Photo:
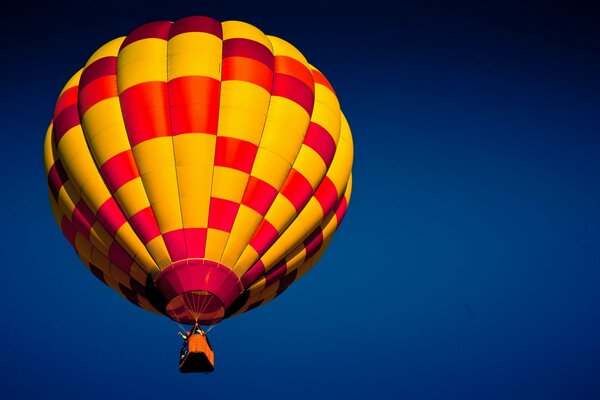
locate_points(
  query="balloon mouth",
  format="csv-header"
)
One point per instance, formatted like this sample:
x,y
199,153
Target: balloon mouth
x,y
198,290
196,306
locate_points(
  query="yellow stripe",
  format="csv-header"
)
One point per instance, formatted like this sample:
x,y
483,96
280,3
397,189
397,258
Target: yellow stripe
x,y
238,29
270,167
280,213
215,240
132,197
285,128
310,165
56,211
244,226
156,164
284,48
242,114
85,179
194,155
229,183
49,158
195,54
158,249
110,49
142,61
104,129
312,214
242,110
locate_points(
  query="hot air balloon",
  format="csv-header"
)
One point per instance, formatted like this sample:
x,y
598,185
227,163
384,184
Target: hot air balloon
x,y
198,168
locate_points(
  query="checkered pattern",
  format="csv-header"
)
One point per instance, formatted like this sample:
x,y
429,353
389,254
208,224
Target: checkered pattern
x,y
197,167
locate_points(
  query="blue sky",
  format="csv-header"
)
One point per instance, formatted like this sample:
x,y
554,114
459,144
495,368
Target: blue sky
x,y
467,265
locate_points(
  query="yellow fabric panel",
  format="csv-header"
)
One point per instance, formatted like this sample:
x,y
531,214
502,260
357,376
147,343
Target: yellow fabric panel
x,y
137,273
348,193
284,48
142,61
312,214
156,164
242,110
109,49
215,243
249,255
100,261
117,274
241,233
155,161
194,53
93,191
100,238
296,258
49,151
131,242
307,265
84,178
195,150
302,226
114,285
327,111
159,186
132,197
285,128
72,145
66,201
159,252
280,213
83,246
56,212
83,171
229,183
155,154
256,287
105,130
341,166
238,29
194,157
310,164
167,214
270,167
195,211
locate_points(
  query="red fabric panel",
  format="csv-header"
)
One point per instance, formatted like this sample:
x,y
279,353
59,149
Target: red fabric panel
x,y
318,139
259,195
295,90
239,47
235,153
297,189
326,195
145,111
194,104
111,216
145,225
222,214
265,236
196,24
119,169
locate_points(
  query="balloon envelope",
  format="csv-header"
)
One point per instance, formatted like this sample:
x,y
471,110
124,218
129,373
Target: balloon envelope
x,y
198,168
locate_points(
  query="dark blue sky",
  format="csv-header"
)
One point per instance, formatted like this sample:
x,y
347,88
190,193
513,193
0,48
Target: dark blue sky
x,y
467,266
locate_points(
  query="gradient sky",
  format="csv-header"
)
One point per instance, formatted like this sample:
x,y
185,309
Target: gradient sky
x,y
467,266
